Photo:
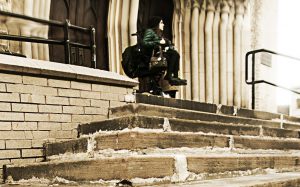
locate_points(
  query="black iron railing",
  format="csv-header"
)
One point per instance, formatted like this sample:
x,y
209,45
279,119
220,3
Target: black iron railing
x,y
253,81
66,42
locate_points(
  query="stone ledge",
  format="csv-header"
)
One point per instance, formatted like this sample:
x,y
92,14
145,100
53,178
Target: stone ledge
x,y
65,71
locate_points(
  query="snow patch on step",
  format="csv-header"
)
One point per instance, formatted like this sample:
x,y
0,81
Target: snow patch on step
x,y
166,125
42,181
130,98
91,145
181,169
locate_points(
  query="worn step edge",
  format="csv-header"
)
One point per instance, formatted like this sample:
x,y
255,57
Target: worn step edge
x,y
212,108
164,111
147,167
131,140
183,125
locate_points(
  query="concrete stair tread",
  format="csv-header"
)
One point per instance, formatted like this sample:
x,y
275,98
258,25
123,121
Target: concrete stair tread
x,y
171,112
212,108
144,138
183,125
261,180
148,166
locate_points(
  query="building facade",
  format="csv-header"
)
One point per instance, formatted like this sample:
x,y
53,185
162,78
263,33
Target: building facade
x,y
212,37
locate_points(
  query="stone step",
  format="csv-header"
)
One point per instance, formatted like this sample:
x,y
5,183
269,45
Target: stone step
x,y
284,179
169,112
183,125
211,108
144,139
178,167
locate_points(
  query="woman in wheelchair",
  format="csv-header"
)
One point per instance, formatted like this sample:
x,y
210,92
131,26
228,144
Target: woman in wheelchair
x,y
152,40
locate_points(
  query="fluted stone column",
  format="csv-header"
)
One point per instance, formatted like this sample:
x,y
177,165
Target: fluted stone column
x,y
237,54
194,54
223,52
208,51
245,48
46,29
111,35
230,54
25,28
201,41
117,24
179,8
124,24
134,8
35,29
186,50
216,71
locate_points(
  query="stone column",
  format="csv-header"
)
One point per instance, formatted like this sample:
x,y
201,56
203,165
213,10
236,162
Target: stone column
x,y
111,34
180,6
25,28
223,52
134,8
230,54
245,48
35,29
208,51
117,24
124,24
46,29
194,54
201,41
237,53
216,22
187,47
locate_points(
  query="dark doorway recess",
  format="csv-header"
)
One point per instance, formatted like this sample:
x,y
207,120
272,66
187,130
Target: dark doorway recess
x,y
162,8
83,13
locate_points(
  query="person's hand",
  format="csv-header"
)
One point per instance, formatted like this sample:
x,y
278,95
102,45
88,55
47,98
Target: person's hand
x,y
162,41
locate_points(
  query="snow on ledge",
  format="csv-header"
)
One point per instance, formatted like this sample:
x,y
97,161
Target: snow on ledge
x,y
66,71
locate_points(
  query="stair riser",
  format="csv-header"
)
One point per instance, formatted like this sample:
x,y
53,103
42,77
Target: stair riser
x,y
176,125
106,169
146,167
205,107
270,128
163,140
71,146
211,108
138,140
148,110
120,124
252,143
223,164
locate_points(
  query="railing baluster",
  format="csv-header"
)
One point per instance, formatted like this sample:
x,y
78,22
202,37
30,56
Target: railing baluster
x,y
67,42
93,47
253,83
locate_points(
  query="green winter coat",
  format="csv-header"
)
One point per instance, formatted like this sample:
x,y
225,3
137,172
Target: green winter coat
x,y
150,41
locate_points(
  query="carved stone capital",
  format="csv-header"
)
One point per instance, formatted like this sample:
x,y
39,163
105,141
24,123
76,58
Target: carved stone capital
x,y
210,5
195,4
224,6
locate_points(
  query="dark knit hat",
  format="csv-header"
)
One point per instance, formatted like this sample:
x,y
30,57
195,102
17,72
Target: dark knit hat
x,y
154,21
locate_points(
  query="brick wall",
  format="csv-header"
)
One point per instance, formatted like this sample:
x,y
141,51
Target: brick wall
x,y
35,109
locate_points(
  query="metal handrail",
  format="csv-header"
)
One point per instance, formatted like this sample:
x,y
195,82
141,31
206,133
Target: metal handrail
x,y
66,42
253,81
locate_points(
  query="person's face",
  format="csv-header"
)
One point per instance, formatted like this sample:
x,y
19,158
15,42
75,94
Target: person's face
x,y
161,25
